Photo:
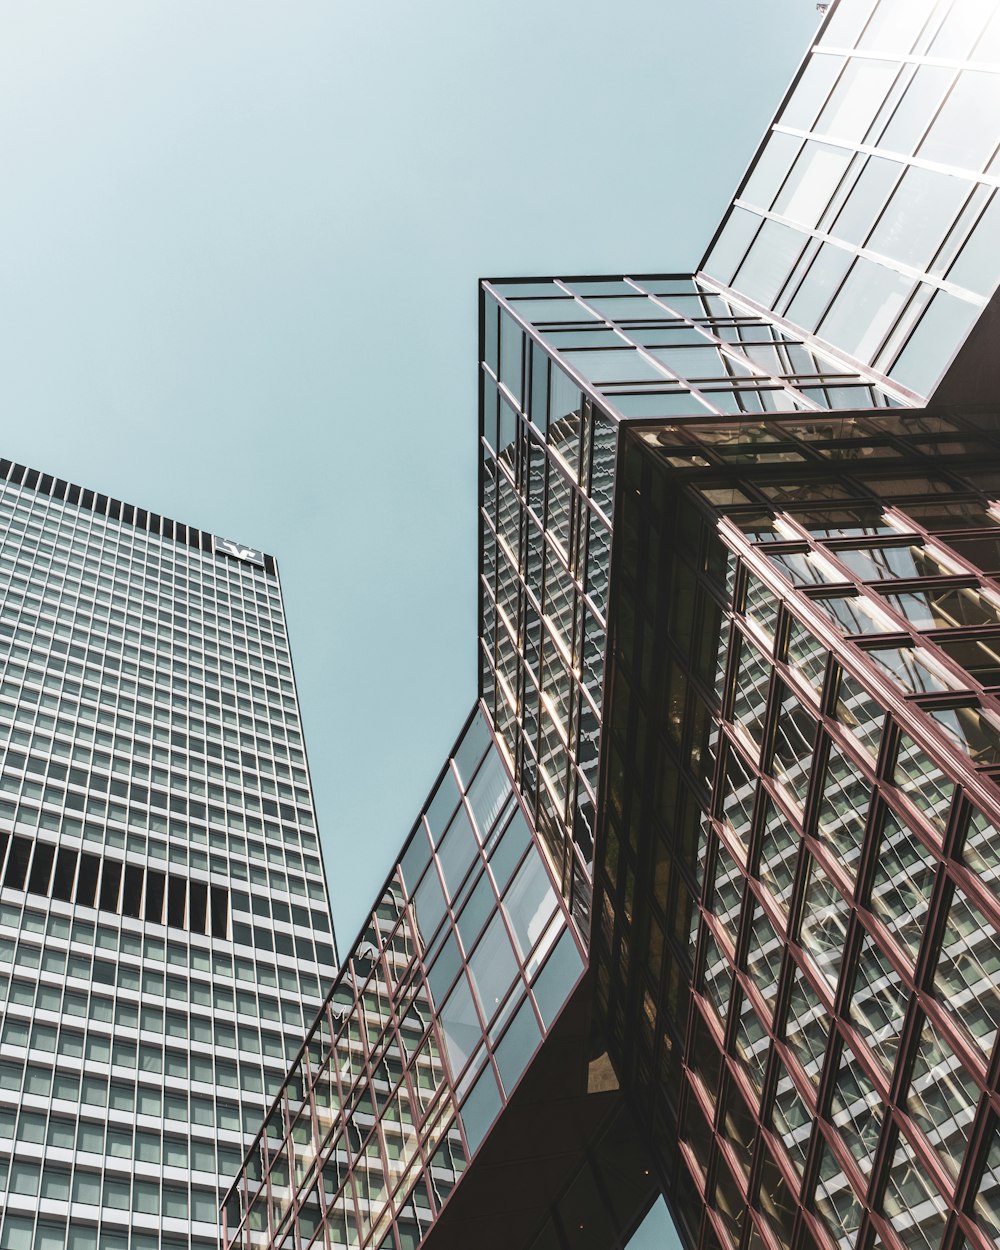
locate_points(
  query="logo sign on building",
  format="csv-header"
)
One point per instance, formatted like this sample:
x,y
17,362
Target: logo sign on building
x,y
250,555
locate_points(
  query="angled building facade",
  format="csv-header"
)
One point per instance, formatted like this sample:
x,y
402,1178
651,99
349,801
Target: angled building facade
x,y
164,924
739,634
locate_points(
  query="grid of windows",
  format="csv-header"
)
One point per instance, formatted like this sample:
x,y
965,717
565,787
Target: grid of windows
x,y
812,1008
563,362
870,215
454,981
152,775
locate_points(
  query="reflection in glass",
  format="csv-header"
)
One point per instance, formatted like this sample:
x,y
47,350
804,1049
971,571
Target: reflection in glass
x,y
836,1200
923,782
844,808
779,853
878,1004
859,713
856,1110
793,747
792,1119
824,924
967,981
904,877
808,1026
944,608
911,1203
942,1098
987,1206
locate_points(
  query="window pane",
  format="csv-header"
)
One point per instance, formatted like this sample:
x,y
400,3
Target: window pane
x,y
808,1026
844,808
856,1110
879,1003
967,980
779,852
752,681
824,924
923,782
911,1202
793,747
942,1099
836,1200
988,1197
764,957
957,136
904,876
792,1119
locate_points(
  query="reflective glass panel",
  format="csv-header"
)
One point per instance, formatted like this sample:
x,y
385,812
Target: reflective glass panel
x,y
878,1004
856,1110
904,877
942,1098
967,980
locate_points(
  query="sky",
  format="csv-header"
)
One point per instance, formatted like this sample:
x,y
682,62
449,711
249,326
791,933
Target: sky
x,y
239,247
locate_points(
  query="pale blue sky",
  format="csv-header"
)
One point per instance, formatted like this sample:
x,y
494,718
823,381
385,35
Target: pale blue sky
x,y
239,246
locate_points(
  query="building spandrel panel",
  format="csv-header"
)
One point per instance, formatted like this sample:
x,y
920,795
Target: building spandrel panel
x,y
152,780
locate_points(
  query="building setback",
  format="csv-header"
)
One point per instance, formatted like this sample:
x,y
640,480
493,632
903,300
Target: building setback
x,y
739,627
153,781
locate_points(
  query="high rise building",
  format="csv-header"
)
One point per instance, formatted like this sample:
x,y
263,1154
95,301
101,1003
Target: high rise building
x,y
164,923
739,619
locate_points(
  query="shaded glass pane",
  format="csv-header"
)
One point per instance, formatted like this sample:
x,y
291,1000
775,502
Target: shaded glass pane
x,y
912,1204
878,1004
904,877
942,1098
856,1110
808,1026
824,924
967,980
836,1200
844,808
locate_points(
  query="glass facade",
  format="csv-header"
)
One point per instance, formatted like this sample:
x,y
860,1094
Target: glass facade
x,y
739,714
460,973
152,782
869,216
564,363
797,937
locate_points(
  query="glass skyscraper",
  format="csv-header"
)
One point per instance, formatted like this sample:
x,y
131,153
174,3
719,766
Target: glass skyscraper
x,y
704,901
739,621
164,926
